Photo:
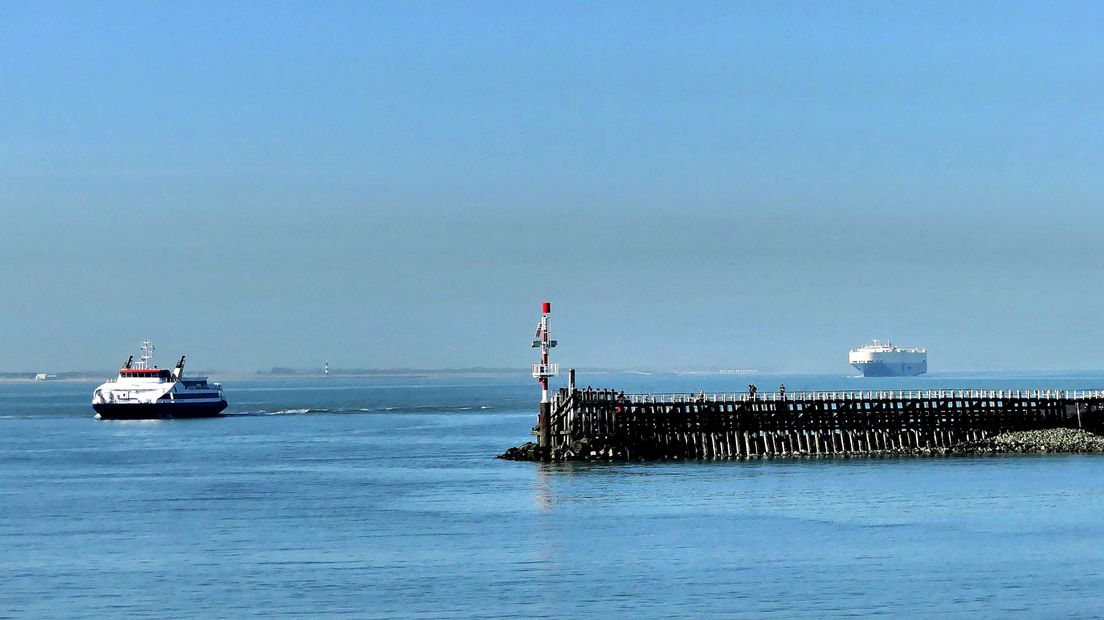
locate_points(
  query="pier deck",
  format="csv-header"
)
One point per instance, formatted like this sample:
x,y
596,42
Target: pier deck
x,y
592,423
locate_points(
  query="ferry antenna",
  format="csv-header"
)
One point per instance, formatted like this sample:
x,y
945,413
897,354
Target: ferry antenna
x,y
147,354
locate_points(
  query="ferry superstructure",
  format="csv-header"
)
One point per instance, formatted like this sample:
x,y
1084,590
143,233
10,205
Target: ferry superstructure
x,y
145,392
888,360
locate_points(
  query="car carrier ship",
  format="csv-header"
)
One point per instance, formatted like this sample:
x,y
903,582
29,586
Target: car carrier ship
x,y
145,392
888,360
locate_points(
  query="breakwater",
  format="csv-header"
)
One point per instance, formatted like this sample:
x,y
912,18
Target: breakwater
x,y
608,424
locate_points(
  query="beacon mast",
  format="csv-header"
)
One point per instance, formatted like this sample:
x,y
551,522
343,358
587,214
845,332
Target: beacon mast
x,y
542,372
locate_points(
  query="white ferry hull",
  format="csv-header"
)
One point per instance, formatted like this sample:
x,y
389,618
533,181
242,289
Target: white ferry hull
x,y
158,411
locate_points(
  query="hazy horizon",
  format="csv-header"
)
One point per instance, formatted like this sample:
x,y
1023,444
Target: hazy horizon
x,y
397,184
523,370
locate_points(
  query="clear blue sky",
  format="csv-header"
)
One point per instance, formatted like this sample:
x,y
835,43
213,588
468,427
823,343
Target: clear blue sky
x,y
692,184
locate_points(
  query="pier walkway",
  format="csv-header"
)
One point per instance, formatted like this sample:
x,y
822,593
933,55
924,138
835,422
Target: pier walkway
x,y
592,423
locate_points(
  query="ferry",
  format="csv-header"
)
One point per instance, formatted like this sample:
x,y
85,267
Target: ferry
x,y
888,360
145,392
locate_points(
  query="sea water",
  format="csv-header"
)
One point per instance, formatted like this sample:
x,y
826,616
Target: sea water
x,y
381,497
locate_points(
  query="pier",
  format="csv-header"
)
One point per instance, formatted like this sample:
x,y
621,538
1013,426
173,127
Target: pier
x,y
586,424
608,424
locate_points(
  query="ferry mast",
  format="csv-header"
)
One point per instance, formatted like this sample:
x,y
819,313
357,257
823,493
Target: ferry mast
x,y
146,356
542,372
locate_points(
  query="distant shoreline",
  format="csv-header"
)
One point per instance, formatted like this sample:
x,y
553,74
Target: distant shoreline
x,y
19,377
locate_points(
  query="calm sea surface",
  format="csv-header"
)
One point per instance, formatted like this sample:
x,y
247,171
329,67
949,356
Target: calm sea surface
x,y
381,498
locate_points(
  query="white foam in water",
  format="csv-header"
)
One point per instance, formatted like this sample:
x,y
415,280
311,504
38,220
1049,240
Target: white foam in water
x,y
286,412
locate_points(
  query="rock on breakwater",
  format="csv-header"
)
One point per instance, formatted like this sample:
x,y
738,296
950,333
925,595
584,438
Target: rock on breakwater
x,y
527,451
1047,441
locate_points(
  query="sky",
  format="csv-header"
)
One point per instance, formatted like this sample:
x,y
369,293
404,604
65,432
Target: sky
x,y
692,184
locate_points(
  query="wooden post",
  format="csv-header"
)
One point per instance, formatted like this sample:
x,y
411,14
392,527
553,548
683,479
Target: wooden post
x,y
545,437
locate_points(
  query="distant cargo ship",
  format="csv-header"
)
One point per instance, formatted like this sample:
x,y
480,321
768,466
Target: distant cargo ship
x,y
887,360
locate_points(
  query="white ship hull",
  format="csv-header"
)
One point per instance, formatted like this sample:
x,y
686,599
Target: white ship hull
x,y
889,369
159,411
